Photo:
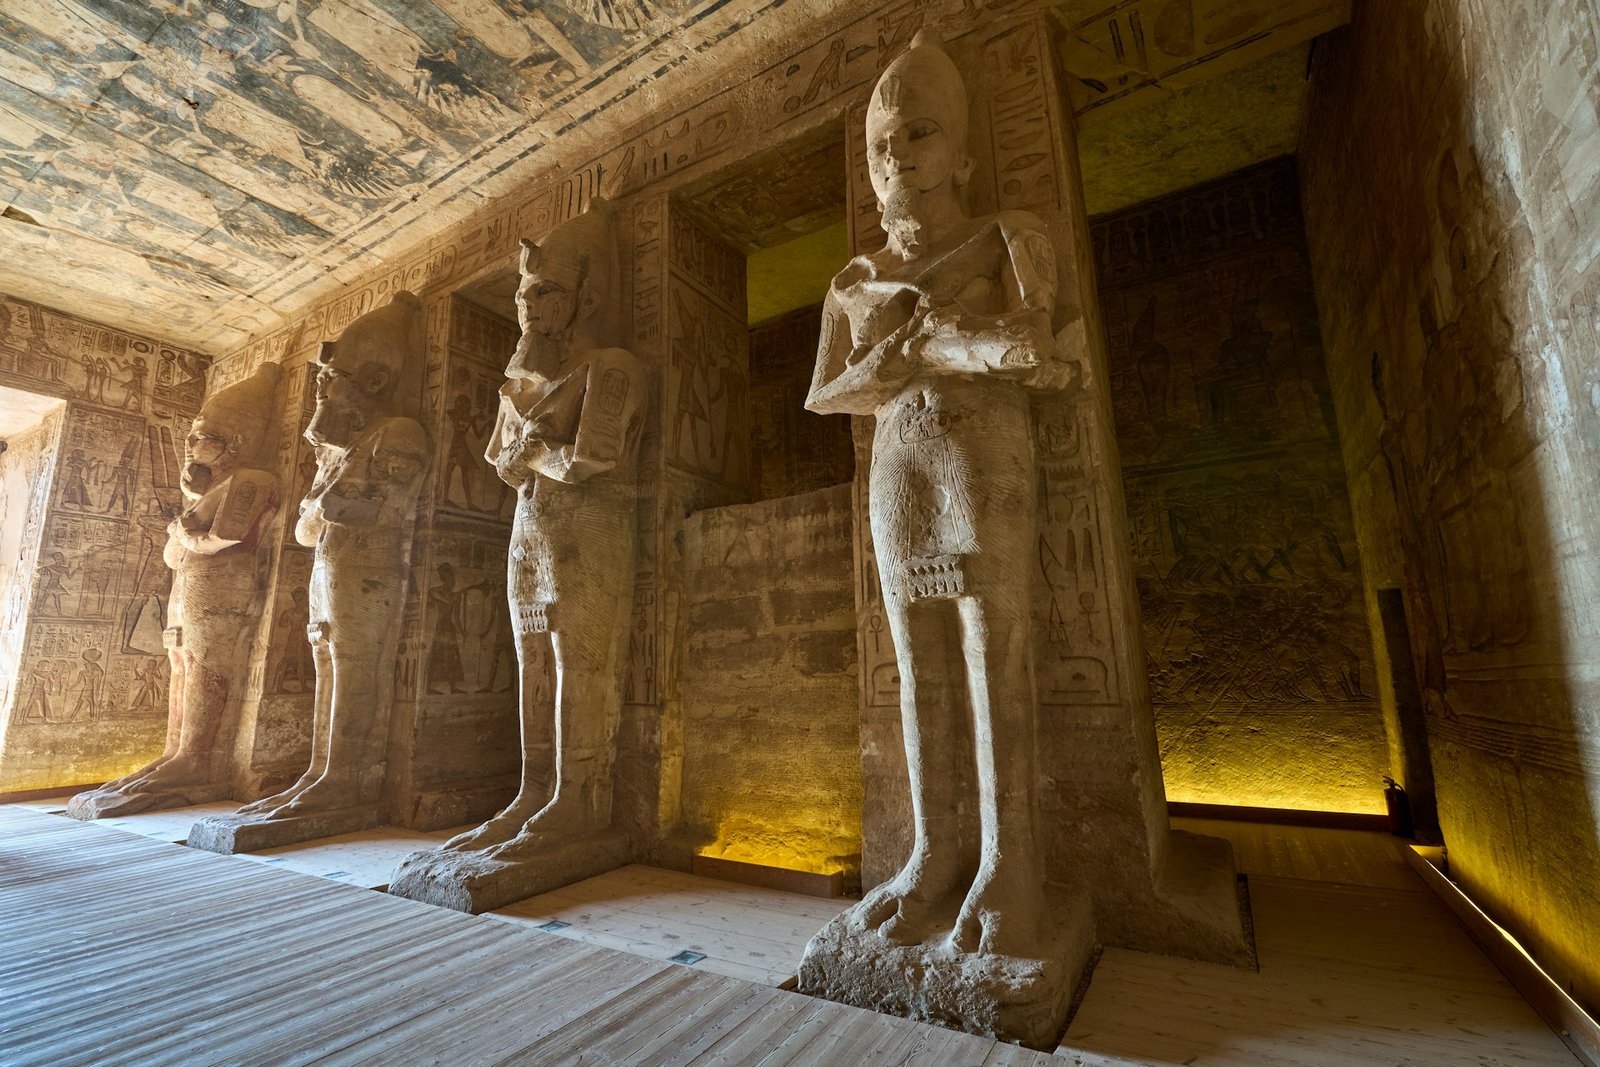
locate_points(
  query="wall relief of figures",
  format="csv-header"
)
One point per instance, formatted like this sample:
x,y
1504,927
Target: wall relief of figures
x,y
97,603
1244,545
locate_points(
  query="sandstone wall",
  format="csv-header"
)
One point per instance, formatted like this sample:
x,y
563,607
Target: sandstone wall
x,y
1261,669
91,678
771,749
1451,172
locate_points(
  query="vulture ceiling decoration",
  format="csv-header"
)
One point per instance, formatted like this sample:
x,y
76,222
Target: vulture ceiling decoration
x,y
202,169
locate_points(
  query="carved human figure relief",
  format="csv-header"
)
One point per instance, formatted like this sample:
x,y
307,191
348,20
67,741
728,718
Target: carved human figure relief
x,y
219,558
943,336
358,516
566,439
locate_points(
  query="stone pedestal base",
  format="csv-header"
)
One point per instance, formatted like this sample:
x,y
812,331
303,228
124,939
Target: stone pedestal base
x,y
474,882
1013,998
252,833
106,803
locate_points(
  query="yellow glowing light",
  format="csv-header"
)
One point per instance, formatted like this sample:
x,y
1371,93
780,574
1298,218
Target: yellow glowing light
x,y
810,841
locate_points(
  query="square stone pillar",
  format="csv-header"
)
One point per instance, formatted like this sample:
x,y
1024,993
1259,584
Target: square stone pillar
x,y
688,300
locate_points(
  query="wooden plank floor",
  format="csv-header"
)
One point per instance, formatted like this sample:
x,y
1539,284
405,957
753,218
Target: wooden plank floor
x,y
1361,966
116,948
365,858
121,949
739,931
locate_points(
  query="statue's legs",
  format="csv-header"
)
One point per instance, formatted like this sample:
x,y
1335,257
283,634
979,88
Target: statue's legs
x,y
933,718
322,663
588,704
1001,910
537,711
357,721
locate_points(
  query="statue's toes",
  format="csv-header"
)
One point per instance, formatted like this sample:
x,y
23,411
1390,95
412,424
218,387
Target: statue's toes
x,y
875,911
968,934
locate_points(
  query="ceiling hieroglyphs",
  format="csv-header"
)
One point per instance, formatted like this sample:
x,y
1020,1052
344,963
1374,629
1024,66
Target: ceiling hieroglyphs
x,y
219,168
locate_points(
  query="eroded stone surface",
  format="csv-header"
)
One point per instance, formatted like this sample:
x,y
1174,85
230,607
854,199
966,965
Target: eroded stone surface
x,y
567,439
219,554
1020,997
371,458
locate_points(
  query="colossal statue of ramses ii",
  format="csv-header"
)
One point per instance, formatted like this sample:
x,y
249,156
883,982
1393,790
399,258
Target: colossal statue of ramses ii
x,y
358,517
943,337
567,439
220,556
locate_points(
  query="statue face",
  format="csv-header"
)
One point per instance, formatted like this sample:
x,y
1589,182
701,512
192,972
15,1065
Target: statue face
x,y
344,395
209,453
908,152
544,305
546,309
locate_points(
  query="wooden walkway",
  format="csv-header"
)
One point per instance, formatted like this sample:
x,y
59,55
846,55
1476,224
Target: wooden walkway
x,y
120,949
124,949
1361,966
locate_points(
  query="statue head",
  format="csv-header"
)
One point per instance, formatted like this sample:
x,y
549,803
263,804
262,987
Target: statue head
x,y
236,428
569,282
372,371
917,133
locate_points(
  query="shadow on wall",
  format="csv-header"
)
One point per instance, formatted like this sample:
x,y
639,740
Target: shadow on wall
x,y
1449,151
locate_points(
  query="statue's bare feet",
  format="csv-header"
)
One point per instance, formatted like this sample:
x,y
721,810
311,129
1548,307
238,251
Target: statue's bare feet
x,y
168,773
125,783
554,824
267,805
498,830
902,908
327,793
1001,912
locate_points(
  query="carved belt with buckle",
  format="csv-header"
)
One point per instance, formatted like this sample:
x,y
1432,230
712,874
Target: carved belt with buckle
x,y
533,618
933,577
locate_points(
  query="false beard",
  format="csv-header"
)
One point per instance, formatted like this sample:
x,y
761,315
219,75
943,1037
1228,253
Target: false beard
x,y
335,426
900,219
195,480
537,355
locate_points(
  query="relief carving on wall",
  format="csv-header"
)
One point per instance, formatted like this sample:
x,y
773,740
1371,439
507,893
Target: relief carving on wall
x,y
1243,542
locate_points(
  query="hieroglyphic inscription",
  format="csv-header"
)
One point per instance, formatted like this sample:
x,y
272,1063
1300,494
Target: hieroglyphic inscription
x,y
95,609
1073,627
649,256
706,388
708,262
1020,137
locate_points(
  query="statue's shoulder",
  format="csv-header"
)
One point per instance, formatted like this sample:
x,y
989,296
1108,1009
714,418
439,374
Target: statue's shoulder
x,y
395,431
253,478
1018,223
606,359
862,268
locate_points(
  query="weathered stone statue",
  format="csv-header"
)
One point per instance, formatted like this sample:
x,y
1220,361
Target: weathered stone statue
x,y
219,556
371,457
567,440
943,336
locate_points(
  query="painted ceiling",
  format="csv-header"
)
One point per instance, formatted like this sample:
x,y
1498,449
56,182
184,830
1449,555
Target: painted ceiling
x,y
202,169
